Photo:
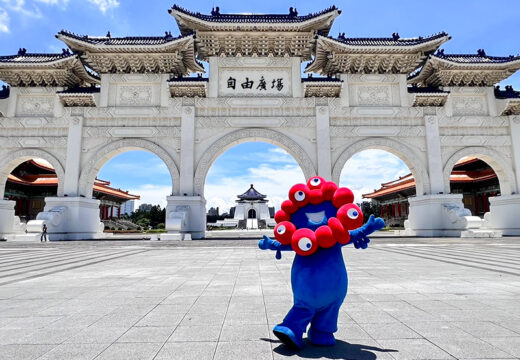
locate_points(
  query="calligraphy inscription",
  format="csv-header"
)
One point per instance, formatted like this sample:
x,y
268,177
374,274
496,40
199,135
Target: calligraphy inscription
x,y
254,82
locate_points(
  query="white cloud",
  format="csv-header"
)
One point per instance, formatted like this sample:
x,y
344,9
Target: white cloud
x,y
151,194
367,170
105,5
21,7
4,21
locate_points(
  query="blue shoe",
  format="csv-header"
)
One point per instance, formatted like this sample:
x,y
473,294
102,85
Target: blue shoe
x,y
288,337
320,338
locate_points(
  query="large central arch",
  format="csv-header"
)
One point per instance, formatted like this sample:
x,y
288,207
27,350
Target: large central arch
x,y
409,156
506,177
240,136
12,160
100,157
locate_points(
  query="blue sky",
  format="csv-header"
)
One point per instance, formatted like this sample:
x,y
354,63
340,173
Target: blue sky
x,y
473,24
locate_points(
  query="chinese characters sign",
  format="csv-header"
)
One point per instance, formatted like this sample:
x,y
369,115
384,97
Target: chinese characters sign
x,y
255,83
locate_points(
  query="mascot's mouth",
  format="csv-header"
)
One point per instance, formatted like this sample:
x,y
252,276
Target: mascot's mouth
x,y
316,218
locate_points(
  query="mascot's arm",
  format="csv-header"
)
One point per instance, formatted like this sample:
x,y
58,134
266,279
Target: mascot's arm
x,y
359,237
268,244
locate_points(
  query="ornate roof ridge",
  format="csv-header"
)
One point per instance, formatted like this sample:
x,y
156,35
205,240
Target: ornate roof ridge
x,y
47,57
321,78
508,93
123,40
396,39
189,79
80,90
216,16
474,58
426,90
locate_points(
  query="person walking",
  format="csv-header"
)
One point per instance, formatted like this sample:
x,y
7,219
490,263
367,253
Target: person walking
x,y
44,233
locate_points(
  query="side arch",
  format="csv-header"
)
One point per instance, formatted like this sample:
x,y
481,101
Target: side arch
x,y
408,155
90,170
498,163
15,158
240,136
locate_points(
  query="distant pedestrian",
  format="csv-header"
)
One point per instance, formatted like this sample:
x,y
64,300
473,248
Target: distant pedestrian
x,y
44,233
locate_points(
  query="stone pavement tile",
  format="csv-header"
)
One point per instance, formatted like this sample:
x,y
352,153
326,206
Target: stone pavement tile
x,y
468,348
238,318
23,352
240,350
49,336
243,332
435,329
161,319
348,332
176,299
97,335
207,333
130,351
390,331
187,351
147,334
31,322
203,319
207,307
74,351
414,349
14,336
363,317
118,320
282,352
507,344
216,299
511,325
484,329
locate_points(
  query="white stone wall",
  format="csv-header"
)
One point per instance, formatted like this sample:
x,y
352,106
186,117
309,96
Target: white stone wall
x,y
188,134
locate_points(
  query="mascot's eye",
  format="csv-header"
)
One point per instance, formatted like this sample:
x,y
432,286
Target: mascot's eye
x,y
281,230
305,244
315,181
299,196
352,213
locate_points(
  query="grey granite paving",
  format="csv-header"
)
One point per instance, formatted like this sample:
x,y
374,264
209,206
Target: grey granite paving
x,y
219,299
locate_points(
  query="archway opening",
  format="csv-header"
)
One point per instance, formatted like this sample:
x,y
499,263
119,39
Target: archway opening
x,y
132,187
476,180
246,185
28,184
381,183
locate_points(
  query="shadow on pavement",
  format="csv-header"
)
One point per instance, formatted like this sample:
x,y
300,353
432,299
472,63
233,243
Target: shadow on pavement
x,y
342,350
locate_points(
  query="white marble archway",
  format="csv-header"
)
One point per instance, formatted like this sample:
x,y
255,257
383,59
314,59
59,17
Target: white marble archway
x,y
408,155
240,136
100,157
15,158
506,177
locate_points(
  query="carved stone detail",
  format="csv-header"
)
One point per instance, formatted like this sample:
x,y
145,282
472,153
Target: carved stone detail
x,y
135,95
35,105
233,122
469,105
98,158
374,95
219,146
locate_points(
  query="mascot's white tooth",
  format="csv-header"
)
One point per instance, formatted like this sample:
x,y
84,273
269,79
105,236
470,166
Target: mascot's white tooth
x,y
315,217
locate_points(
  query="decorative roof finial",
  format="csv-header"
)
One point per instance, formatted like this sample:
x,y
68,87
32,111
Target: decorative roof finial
x,y
293,12
108,35
215,11
22,51
440,52
395,36
481,52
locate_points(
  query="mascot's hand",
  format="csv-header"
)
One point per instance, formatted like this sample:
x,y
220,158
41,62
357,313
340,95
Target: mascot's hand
x,y
359,237
268,244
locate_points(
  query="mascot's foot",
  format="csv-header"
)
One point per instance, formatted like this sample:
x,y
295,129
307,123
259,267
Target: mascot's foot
x,y
288,337
320,338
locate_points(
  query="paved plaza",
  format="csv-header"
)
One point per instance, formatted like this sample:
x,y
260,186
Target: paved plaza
x,y
218,299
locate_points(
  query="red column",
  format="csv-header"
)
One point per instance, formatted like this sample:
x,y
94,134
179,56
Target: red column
x,y
112,212
476,204
381,210
399,209
119,212
485,203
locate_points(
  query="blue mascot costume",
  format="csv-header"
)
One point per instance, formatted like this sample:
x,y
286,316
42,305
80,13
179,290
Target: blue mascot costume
x,y
317,220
